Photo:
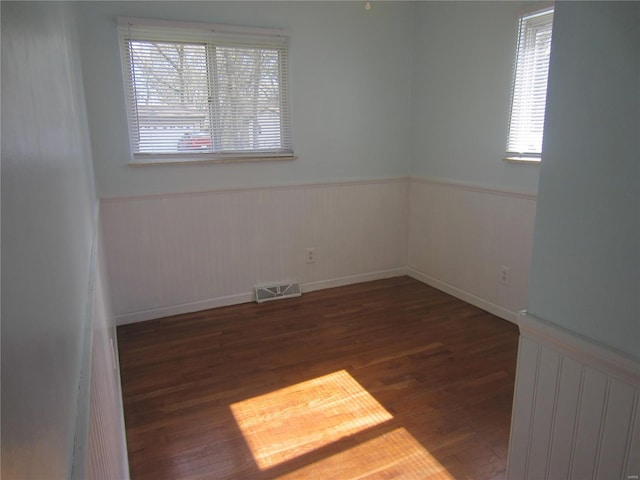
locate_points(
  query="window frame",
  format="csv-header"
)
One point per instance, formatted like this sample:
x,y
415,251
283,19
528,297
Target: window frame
x,y
212,36
520,62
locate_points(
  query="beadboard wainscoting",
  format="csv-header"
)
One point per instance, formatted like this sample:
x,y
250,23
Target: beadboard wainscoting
x,y
177,253
575,411
460,235
107,448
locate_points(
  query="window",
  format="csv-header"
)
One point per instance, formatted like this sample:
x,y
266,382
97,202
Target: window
x,y
198,92
526,123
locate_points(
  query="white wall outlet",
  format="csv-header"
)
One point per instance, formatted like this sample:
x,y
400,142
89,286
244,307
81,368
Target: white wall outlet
x,y
310,255
504,275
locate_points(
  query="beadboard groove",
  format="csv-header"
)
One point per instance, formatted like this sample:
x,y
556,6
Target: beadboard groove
x,y
580,419
461,235
180,252
187,252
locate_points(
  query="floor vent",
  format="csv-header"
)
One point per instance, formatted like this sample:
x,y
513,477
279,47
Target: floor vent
x,y
266,293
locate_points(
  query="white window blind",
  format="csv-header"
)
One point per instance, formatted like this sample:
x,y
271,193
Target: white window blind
x,y
198,92
526,123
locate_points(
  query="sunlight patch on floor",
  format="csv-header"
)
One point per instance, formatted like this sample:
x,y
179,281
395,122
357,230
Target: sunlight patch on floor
x,y
395,454
299,419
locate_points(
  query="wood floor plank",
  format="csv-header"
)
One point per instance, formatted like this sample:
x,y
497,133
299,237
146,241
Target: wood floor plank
x,y
385,379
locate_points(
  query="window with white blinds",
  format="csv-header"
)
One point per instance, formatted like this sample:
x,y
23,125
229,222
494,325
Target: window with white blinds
x,y
526,123
198,92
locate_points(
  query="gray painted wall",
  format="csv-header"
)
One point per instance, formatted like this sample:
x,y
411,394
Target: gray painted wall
x,y
463,65
48,231
377,93
351,92
585,273
371,90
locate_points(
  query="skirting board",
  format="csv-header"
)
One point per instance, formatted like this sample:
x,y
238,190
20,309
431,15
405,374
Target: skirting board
x,y
576,408
492,308
351,279
245,297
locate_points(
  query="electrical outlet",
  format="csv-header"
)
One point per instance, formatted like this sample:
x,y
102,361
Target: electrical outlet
x,y
310,255
504,275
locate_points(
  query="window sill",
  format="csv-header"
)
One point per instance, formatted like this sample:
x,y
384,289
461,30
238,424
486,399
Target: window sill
x,y
154,160
522,160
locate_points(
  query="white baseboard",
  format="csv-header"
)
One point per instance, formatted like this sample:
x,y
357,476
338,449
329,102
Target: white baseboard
x,y
191,307
490,307
351,279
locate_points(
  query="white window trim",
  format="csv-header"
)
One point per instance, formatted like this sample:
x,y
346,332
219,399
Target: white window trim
x,y
522,157
197,28
207,27
142,160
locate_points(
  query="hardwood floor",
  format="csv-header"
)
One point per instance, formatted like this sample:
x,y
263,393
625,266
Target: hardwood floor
x,y
386,379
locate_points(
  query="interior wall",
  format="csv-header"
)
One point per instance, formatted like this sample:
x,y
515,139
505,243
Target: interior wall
x,y
182,238
461,236
350,93
464,56
172,254
429,101
576,412
48,245
47,236
586,252
471,213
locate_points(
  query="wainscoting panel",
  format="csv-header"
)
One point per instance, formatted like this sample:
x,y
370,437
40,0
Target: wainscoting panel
x,y
612,448
460,235
575,412
522,415
172,254
541,425
564,417
107,449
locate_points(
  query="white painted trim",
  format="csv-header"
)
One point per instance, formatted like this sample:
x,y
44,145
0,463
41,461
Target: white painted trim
x,y
575,408
124,452
169,160
106,411
80,452
522,160
246,297
245,188
516,193
580,348
539,7
351,279
190,307
206,27
473,187
490,307
632,462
